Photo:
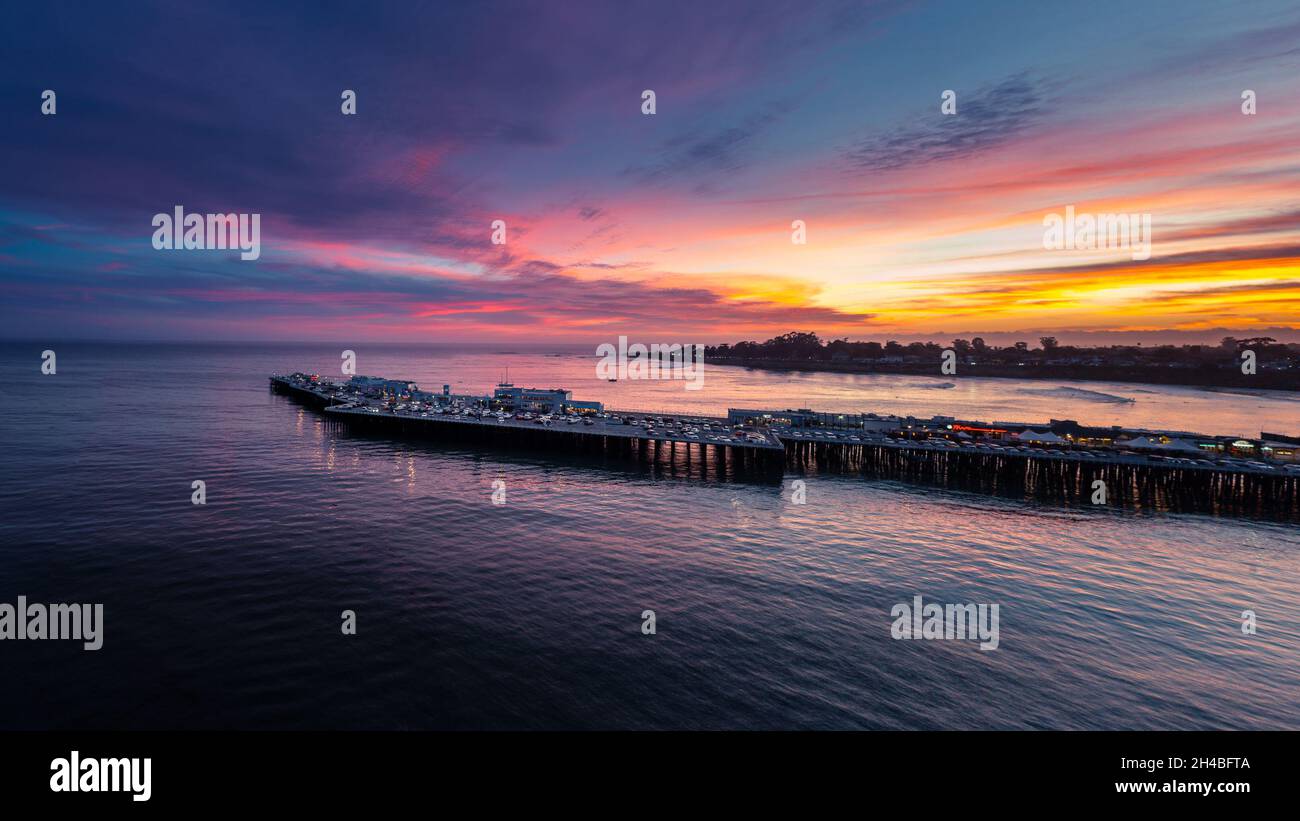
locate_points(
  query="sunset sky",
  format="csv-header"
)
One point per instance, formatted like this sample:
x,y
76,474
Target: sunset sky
x,y
377,226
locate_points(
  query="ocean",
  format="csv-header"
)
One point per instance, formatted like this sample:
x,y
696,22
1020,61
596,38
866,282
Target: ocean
x,y
528,614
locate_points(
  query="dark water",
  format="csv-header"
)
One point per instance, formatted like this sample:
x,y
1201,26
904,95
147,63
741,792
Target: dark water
x,y
527,615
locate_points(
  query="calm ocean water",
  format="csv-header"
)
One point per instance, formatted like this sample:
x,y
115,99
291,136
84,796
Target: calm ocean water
x,y
527,615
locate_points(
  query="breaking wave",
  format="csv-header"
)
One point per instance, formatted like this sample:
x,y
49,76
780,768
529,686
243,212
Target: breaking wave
x,y
1080,394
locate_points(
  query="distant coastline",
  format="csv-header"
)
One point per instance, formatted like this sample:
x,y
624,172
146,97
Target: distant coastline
x,y
1279,381
1259,363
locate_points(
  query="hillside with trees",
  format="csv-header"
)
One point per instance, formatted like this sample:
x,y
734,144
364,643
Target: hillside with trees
x,y
1276,364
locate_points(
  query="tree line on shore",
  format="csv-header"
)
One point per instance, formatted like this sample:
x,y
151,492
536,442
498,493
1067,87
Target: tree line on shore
x,y
807,347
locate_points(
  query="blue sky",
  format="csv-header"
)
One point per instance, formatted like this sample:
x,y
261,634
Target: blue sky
x,y
377,225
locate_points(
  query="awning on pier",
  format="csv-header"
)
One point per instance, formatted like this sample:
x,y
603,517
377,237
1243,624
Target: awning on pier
x,y
1042,437
1162,443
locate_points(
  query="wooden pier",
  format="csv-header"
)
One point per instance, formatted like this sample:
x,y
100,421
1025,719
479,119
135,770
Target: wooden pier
x,y
699,454
1064,476
1132,482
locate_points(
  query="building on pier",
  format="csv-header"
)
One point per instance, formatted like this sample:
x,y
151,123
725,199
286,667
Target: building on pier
x,y
879,423
377,384
553,400
1283,449
801,418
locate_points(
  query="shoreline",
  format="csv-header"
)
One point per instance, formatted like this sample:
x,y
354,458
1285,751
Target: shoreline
x,y
1191,378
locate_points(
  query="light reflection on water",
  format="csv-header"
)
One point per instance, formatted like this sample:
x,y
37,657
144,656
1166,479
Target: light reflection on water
x,y
527,614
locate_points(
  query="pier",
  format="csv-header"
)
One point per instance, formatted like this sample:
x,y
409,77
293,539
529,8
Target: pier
x,y
708,450
702,445
1135,482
